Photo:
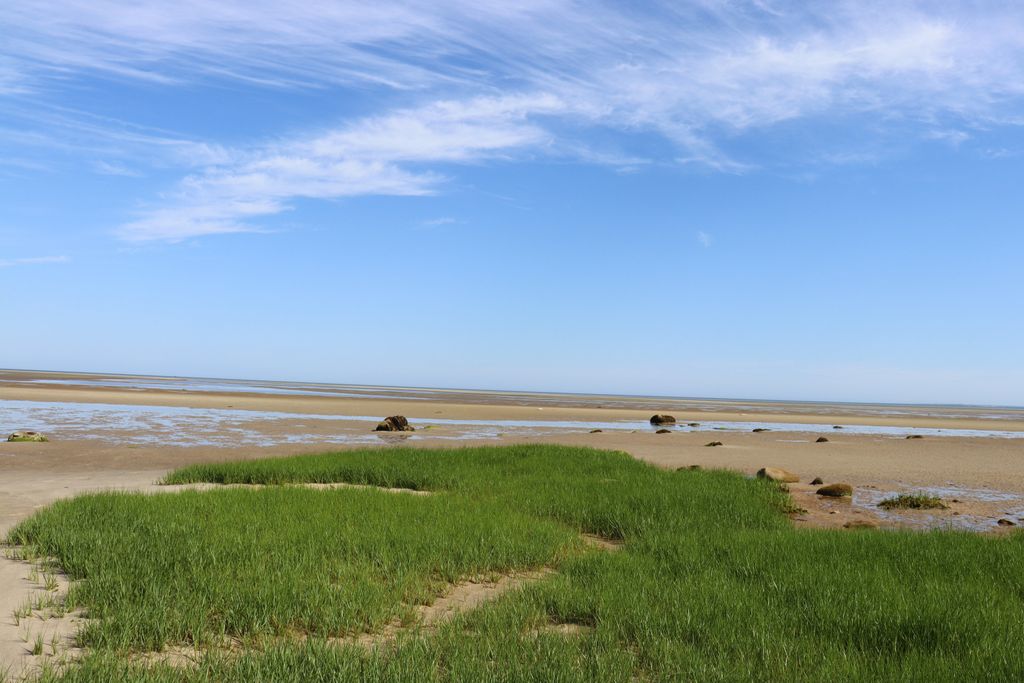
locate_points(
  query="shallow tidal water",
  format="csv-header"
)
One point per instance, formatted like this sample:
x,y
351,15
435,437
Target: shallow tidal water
x,y
1004,505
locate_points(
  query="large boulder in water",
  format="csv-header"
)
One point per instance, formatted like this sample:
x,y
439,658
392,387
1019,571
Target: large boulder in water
x,y
777,474
662,420
395,423
25,435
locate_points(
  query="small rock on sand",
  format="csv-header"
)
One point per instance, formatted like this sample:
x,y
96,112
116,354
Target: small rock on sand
x,y
596,431
663,431
777,474
662,420
26,435
758,430
693,424
711,444
835,491
395,423
914,436
817,481
821,439
1006,522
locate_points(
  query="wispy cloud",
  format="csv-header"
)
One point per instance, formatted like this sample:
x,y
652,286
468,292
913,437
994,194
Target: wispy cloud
x,y
437,222
370,156
951,136
115,169
486,81
38,127
704,239
32,261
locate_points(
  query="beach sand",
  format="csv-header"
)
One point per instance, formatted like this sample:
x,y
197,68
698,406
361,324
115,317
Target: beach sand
x,y
984,476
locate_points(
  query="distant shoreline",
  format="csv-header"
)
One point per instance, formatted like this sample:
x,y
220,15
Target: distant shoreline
x,y
320,397
73,377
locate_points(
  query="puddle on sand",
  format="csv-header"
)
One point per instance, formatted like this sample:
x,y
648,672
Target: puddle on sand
x,y
990,505
182,426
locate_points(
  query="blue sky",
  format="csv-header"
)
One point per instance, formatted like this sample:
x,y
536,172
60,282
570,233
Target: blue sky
x,y
740,199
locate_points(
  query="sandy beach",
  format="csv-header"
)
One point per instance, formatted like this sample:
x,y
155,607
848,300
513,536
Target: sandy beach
x,y
127,437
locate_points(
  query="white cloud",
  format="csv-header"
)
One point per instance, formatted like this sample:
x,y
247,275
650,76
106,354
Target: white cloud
x,y
11,79
951,136
704,238
35,260
368,156
495,80
115,169
437,222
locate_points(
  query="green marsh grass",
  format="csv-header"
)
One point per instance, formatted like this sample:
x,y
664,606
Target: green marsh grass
x,y
913,501
713,582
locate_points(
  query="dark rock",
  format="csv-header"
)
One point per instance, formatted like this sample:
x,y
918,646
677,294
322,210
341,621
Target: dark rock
x,y
663,431
693,424
685,468
817,481
395,423
914,436
777,474
714,443
596,431
821,439
835,491
25,435
662,420
1006,522
758,430
837,426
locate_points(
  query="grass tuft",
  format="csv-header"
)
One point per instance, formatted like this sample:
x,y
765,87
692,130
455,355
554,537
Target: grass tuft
x,y
916,501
